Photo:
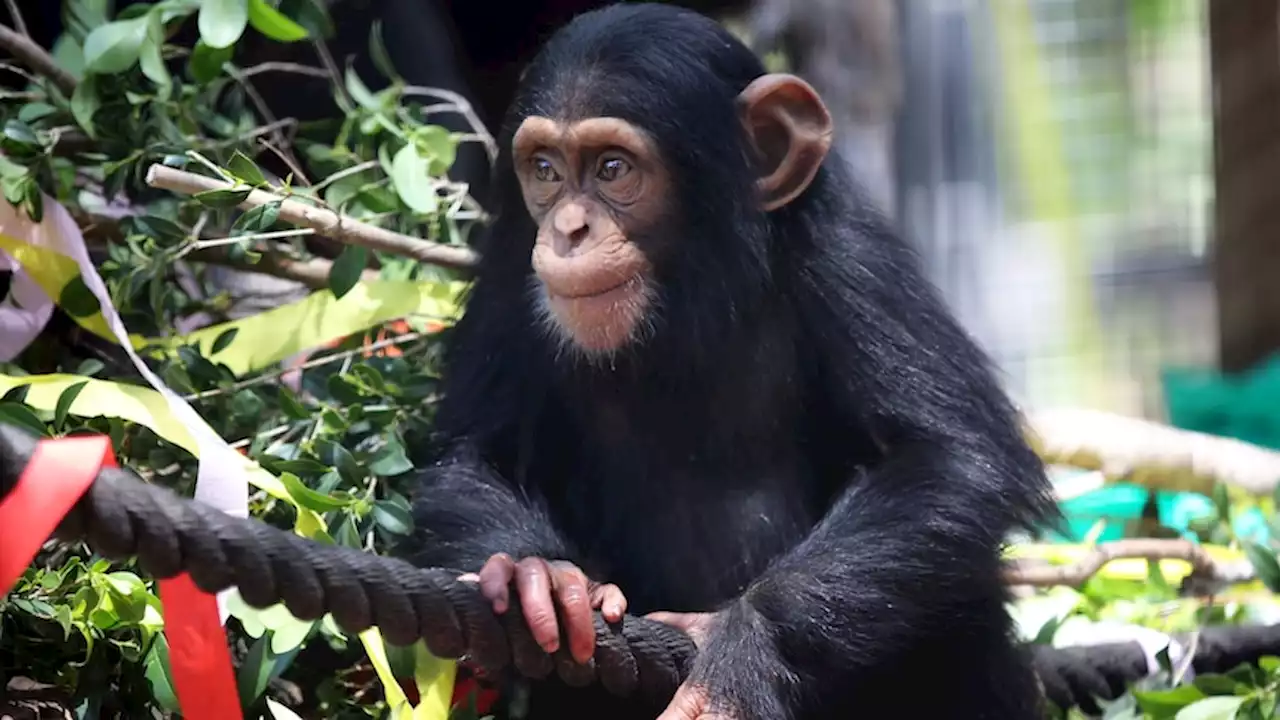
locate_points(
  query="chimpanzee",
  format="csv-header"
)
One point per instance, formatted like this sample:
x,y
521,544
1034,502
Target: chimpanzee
x,y
698,377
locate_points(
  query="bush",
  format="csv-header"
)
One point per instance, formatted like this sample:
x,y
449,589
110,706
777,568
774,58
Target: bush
x,y
159,151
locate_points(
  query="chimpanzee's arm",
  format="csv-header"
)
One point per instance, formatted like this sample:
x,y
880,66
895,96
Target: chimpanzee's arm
x,y
464,513
913,543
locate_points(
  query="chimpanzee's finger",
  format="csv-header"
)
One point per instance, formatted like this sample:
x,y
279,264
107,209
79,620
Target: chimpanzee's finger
x,y
533,582
495,579
610,601
572,594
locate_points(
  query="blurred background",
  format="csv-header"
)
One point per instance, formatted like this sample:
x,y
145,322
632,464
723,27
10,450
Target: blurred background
x,y
1054,160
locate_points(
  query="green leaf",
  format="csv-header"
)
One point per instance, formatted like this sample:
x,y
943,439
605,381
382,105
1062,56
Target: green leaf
x,y
360,92
333,421
392,518
343,390
20,135
206,62
113,48
35,111
340,458
223,197
222,22
63,406
77,300
247,405
303,466
273,23
438,145
1215,684
391,460
23,417
1213,708
224,340
161,229
378,51
257,219
158,674
150,57
1269,663
90,367
346,269
255,672
310,14
290,405
1164,703
1264,563
411,174
33,201
1221,502
244,168
85,103
308,498
370,377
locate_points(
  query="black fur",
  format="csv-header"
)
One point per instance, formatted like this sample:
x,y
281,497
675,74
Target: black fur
x,y
807,441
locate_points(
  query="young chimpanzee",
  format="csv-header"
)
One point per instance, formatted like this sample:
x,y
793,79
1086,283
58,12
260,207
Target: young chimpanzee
x,y
698,377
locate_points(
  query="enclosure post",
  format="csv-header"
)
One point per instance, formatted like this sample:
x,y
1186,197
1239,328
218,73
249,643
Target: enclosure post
x,y
1244,47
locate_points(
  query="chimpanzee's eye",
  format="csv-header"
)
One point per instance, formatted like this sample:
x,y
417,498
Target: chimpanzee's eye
x,y
612,169
544,171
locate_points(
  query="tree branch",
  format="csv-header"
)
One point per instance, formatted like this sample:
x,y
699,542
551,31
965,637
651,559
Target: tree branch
x,y
326,222
1151,453
1203,566
33,56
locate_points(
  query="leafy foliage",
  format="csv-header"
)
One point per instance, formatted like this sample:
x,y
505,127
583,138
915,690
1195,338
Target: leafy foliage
x,y
335,429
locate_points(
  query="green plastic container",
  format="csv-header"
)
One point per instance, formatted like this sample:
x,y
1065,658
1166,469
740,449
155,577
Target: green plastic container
x,y
1118,504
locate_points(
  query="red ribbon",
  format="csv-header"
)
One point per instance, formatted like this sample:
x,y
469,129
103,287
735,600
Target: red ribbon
x,y
59,473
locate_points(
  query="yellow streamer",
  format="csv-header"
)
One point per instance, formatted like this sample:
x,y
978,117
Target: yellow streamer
x,y
264,339
144,406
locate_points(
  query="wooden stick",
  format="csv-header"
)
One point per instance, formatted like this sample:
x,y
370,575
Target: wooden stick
x,y
331,224
1122,446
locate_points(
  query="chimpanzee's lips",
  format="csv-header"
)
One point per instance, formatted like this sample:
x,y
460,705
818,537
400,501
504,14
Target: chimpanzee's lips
x,y
582,294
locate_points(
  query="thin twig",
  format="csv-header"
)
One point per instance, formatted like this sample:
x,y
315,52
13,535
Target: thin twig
x,y
280,144
327,359
1202,564
464,108
326,222
285,67
35,57
15,14
313,274
251,237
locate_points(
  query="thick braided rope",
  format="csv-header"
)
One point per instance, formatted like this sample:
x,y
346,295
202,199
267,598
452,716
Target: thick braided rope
x,y
121,516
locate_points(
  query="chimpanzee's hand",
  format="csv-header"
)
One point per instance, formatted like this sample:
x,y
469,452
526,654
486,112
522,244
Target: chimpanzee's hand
x,y
695,625
550,591
693,700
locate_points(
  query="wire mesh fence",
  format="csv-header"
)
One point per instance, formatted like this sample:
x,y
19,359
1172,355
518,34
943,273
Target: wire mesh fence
x,y
1055,167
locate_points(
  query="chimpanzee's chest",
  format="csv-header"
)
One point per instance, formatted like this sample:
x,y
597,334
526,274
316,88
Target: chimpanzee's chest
x,y
687,532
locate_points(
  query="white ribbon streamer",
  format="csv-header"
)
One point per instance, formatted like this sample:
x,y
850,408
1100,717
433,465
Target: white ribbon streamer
x,y
24,312
220,477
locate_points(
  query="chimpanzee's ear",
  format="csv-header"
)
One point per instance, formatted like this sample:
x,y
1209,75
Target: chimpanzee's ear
x,y
790,129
